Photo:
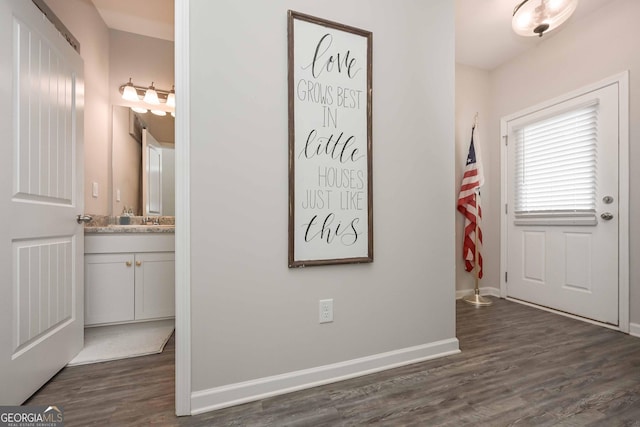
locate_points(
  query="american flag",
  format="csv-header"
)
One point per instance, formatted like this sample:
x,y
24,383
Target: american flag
x,y
469,205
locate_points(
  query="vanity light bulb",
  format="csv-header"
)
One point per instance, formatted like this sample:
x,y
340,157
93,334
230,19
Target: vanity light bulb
x,y
129,92
151,96
159,112
171,99
139,110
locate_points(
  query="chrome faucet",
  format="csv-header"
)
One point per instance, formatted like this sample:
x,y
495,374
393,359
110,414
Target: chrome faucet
x,y
153,220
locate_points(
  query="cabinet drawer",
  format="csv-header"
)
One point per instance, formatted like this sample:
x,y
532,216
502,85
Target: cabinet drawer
x,y
129,242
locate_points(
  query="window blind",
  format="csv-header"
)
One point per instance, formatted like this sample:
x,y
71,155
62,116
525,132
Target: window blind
x,y
556,167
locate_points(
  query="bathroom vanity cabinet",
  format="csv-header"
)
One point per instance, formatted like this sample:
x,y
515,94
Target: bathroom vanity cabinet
x,y
129,277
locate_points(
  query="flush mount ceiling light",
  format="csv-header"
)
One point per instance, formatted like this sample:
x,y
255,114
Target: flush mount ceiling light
x,y
143,99
535,17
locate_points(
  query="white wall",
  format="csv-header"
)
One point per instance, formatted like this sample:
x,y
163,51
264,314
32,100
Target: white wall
x,y
472,96
254,318
85,23
602,45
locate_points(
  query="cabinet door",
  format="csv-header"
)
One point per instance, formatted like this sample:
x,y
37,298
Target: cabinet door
x,y
155,284
109,288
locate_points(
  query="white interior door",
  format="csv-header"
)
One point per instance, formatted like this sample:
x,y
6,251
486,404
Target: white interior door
x,y
563,254
152,175
41,244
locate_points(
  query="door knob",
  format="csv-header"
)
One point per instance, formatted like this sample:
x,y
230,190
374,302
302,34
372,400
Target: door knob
x,y
606,216
128,263
138,263
83,218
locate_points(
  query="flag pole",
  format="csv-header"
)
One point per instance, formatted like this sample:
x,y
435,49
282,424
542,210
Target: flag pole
x,y
475,298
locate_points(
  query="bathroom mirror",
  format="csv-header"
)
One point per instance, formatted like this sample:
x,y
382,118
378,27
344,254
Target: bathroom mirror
x,y
132,172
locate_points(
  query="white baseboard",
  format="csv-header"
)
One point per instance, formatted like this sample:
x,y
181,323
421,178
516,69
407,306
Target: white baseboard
x,y
634,329
248,391
486,290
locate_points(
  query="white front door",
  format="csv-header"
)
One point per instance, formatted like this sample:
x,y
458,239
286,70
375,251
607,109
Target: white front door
x,y
562,205
41,244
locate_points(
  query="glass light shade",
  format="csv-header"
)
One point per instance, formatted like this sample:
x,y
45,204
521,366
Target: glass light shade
x,y
171,99
159,112
151,96
129,92
535,17
139,110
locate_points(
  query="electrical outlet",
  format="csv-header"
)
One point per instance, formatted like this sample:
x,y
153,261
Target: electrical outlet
x,y
326,310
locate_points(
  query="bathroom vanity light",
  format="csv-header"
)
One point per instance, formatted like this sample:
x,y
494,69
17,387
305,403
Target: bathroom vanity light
x,y
535,17
171,98
145,99
139,110
151,96
129,92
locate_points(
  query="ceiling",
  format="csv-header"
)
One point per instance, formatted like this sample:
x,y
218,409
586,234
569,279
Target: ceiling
x,y
484,38
152,18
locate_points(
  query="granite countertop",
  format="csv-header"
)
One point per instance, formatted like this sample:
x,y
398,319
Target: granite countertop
x,y
130,229
104,224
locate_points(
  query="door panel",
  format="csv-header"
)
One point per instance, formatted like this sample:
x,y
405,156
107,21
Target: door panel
x,y
579,250
44,299
152,175
569,265
44,146
534,255
41,244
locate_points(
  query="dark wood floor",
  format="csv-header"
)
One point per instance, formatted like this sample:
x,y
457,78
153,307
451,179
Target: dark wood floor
x,y
518,366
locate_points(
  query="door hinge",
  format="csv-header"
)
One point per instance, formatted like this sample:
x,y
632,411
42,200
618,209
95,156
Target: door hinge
x,y
506,208
506,139
505,277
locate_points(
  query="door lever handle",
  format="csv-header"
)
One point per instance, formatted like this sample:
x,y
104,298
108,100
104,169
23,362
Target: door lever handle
x,y
606,216
83,218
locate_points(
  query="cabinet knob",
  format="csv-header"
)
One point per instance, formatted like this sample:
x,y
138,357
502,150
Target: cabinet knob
x,y
138,263
128,263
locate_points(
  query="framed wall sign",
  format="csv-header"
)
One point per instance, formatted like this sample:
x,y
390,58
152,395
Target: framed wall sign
x,y
330,143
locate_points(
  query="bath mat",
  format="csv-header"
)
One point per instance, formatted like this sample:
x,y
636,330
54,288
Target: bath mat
x,y
104,343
